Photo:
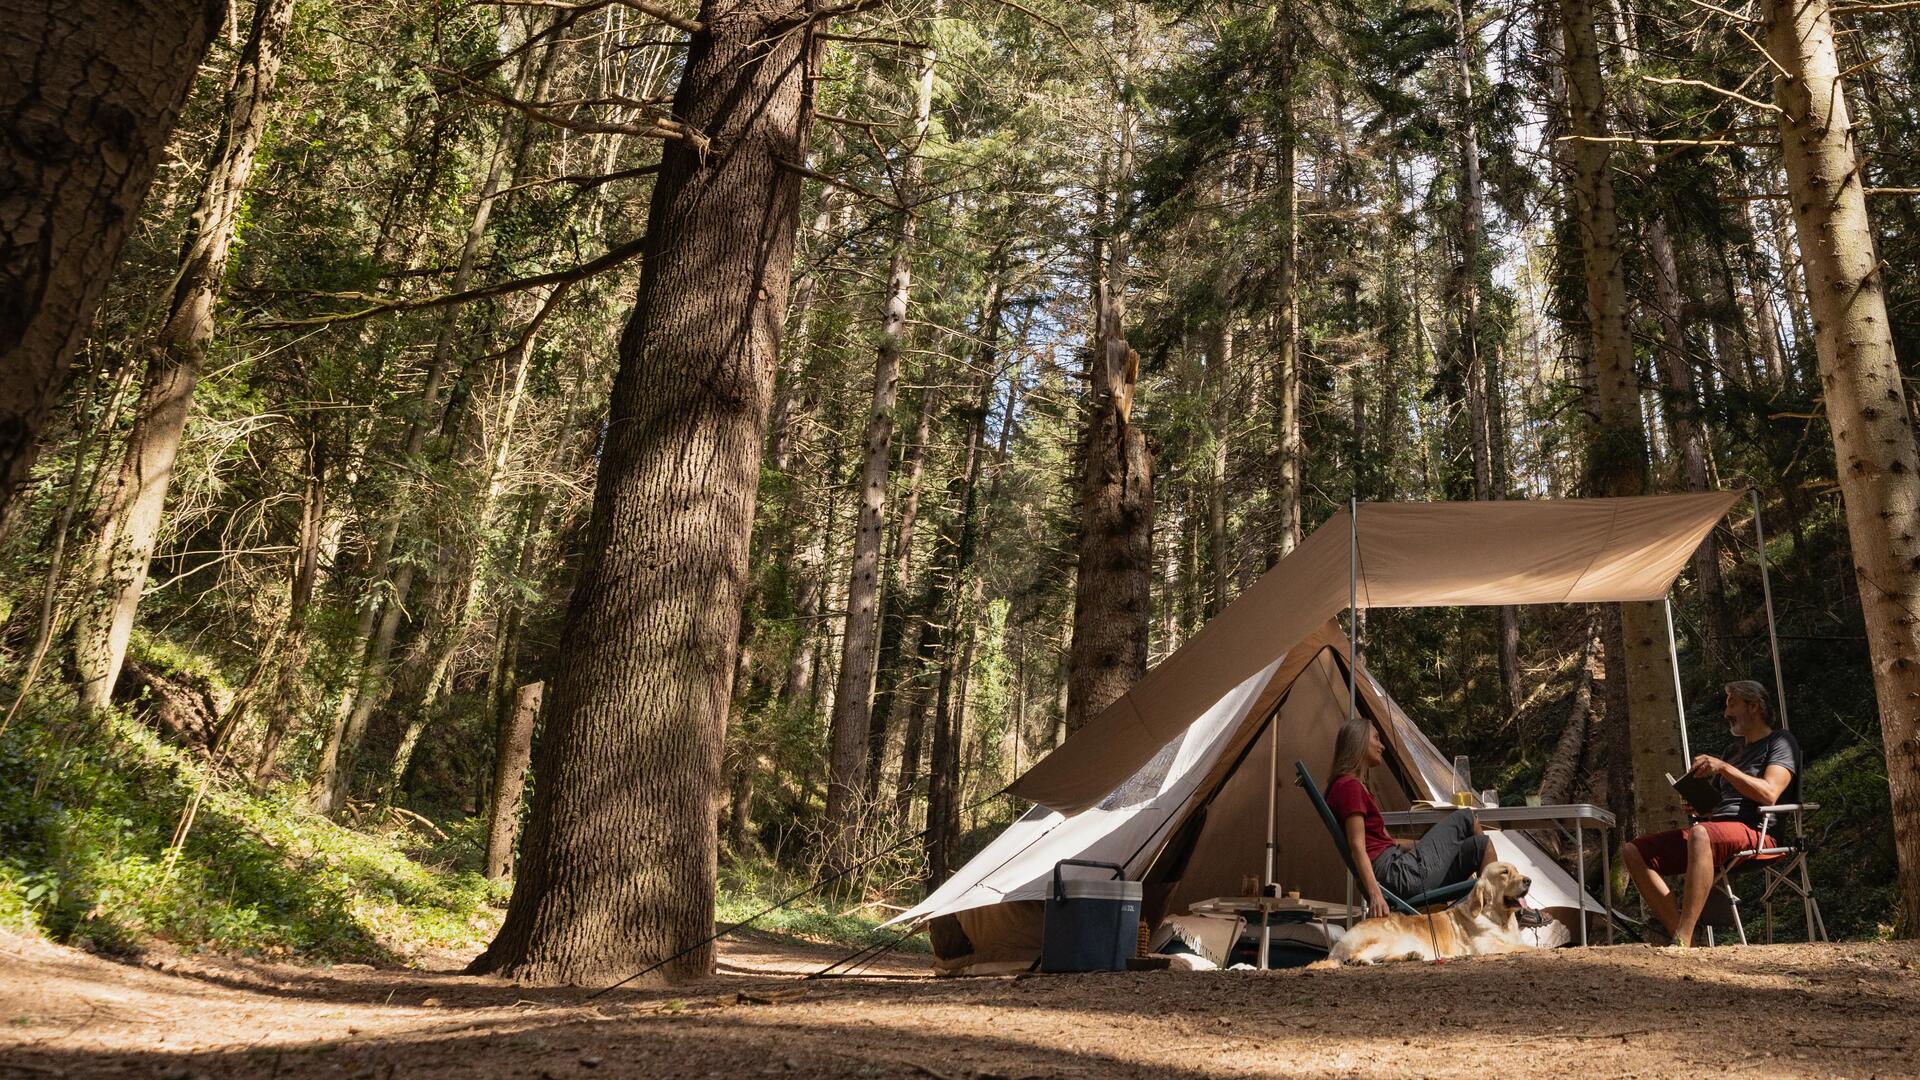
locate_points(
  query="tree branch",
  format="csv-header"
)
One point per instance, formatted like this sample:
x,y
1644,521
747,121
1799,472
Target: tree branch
x,y
673,19
801,170
898,43
384,305
659,126
1649,142
583,181
1897,5
1742,98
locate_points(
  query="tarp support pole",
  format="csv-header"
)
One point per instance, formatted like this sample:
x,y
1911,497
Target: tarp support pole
x,y
1353,604
1273,790
1679,699
1766,591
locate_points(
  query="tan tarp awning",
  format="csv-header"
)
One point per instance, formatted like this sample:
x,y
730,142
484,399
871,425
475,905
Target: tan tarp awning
x,y
1410,555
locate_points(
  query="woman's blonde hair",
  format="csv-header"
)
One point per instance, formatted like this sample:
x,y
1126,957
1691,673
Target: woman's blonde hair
x,y
1350,749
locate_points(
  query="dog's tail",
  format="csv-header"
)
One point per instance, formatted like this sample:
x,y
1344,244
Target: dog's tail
x,y
1323,965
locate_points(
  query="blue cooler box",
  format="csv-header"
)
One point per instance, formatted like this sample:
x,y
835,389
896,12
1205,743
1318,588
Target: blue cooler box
x,y
1091,924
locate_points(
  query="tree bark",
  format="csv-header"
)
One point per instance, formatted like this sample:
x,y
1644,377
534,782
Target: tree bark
x,y
1113,585
1479,370
132,519
1866,403
369,685
1617,462
512,749
620,853
90,92
1288,464
894,630
853,697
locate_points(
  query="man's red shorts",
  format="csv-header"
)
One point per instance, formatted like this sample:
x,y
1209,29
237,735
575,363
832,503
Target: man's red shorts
x,y
1666,852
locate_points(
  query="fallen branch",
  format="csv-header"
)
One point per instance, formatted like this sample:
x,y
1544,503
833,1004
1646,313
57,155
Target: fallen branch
x,y
404,813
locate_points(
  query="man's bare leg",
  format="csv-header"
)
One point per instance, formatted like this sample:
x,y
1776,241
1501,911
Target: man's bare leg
x,y
1653,887
1699,881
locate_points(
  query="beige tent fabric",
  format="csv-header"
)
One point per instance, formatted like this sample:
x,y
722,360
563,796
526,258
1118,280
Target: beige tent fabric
x,y
1410,555
1232,841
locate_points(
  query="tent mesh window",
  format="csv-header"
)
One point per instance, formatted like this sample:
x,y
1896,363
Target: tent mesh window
x,y
1146,782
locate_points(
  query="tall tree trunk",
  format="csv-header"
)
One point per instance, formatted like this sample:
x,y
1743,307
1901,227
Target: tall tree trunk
x,y
1113,588
1218,379
513,748
305,576
1478,370
894,630
1617,463
1683,416
1289,464
620,851
90,95
1866,403
368,685
853,697
943,768
132,521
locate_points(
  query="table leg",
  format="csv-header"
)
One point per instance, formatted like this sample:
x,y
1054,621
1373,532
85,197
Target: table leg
x,y
1580,860
1266,934
1606,885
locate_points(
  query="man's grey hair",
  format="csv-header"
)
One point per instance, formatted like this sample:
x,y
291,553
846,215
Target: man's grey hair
x,y
1751,691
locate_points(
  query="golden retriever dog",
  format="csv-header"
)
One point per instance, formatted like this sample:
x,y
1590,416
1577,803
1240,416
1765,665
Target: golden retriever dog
x,y
1485,922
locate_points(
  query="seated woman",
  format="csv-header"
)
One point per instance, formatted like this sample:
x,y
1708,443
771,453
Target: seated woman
x,y
1453,851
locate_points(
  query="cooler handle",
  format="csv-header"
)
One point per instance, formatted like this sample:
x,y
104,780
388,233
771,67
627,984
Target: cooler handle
x,y
1059,887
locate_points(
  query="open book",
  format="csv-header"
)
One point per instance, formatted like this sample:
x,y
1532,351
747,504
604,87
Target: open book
x,y
1701,794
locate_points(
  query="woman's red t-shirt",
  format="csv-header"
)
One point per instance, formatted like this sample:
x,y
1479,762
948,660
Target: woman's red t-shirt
x,y
1347,796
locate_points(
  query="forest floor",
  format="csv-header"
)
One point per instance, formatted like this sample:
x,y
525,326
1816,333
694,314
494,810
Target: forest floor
x,y
1799,1010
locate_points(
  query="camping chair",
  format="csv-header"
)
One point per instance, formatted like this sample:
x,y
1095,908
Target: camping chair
x,y
1781,862
1411,905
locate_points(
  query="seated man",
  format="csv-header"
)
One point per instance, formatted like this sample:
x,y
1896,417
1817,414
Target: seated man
x,y
1762,769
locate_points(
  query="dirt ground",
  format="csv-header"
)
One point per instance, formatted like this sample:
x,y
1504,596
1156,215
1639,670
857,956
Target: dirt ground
x,y
1787,1010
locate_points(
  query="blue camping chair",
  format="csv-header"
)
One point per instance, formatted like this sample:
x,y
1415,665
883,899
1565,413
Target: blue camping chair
x,y
1411,905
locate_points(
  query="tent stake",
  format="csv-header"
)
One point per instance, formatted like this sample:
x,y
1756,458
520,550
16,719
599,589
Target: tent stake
x,y
1766,589
1679,699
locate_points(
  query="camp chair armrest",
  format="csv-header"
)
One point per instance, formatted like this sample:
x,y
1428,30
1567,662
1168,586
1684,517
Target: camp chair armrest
x,y
1790,808
1442,894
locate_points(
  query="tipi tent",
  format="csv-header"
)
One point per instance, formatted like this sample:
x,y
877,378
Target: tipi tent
x,y
1170,781
1191,823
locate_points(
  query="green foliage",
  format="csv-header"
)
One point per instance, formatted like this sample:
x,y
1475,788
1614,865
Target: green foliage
x,y
86,815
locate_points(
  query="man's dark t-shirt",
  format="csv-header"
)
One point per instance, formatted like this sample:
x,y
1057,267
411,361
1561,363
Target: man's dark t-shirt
x,y
1780,748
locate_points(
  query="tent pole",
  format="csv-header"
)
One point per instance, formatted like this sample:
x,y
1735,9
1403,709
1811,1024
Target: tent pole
x,y
1766,589
1353,605
1679,700
1273,790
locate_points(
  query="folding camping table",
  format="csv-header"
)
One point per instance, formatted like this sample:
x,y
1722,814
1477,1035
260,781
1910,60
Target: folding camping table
x,y
1260,907
1578,816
